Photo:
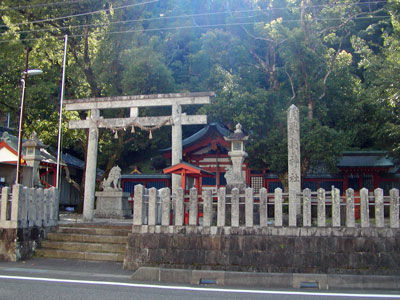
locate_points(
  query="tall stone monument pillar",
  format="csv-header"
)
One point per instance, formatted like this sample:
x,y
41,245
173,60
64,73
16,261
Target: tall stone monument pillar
x,y
234,174
294,172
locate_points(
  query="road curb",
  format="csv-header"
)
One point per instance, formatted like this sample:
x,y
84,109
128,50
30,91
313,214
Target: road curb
x,y
267,280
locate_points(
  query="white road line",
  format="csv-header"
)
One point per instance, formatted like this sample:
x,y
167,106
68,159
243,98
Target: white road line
x,y
200,289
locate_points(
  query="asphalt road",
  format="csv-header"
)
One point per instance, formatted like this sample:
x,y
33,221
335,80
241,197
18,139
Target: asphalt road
x,y
61,279
28,289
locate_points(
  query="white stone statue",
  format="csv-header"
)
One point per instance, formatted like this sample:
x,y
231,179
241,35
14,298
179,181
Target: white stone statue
x,y
113,182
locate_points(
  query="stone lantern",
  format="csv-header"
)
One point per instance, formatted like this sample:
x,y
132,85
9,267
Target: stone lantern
x,y
33,157
234,174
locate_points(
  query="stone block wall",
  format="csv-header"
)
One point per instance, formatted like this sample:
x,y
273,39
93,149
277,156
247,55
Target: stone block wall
x,y
20,243
8,236
276,250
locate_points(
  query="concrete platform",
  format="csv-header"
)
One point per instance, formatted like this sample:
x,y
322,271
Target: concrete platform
x,y
67,268
268,280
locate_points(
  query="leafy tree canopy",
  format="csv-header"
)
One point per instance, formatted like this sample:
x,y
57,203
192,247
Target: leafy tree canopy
x,y
338,61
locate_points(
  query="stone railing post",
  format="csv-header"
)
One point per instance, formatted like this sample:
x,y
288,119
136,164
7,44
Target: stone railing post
x,y
38,203
50,218
379,210
249,207
32,207
221,211
235,207
138,205
56,204
166,206
350,218
44,203
307,208
17,196
24,206
193,207
5,194
263,207
54,199
364,207
152,219
47,196
394,208
335,207
179,207
207,207
40,213
321,208
278,207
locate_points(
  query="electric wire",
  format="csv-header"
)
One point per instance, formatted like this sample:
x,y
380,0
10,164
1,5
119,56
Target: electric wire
x,y
81,14
79,1
44,5
176,17
187,27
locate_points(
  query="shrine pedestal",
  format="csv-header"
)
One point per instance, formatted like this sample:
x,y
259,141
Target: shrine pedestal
x,y
112,204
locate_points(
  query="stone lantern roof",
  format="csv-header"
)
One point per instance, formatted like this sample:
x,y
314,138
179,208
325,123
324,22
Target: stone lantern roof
x,y
35,142
238,135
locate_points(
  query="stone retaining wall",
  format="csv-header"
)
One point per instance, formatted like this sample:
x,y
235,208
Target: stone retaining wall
x,y
278,250
20,243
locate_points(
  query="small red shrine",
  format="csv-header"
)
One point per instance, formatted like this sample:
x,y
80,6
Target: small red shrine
x,y
187,172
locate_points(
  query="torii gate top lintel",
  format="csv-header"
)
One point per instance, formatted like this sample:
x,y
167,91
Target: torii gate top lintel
x,y
139,101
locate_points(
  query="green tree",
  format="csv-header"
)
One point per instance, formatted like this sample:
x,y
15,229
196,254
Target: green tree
x,y
258,56
378,108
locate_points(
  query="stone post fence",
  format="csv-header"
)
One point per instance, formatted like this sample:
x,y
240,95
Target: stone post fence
x,y
26,214
154,209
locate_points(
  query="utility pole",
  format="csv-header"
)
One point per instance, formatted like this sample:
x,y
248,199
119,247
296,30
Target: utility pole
x,y
21,119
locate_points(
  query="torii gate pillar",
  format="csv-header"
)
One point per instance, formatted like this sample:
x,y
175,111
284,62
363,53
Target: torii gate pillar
x,y
91,166
176,149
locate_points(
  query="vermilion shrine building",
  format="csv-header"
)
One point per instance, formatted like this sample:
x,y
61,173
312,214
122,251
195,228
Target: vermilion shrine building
x,y
208,151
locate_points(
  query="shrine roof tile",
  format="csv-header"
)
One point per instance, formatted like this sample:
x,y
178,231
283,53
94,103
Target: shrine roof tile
x,y
202,133
365,159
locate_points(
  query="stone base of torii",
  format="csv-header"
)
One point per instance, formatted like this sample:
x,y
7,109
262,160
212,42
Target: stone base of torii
x,y
95,121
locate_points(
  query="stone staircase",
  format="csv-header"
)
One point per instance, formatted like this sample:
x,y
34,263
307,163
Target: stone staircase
x,y
86,242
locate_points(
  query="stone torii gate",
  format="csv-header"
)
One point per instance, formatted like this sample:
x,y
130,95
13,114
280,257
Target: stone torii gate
x,y
94,122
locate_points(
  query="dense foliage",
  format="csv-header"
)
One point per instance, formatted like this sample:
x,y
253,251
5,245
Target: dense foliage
x,y
338,61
